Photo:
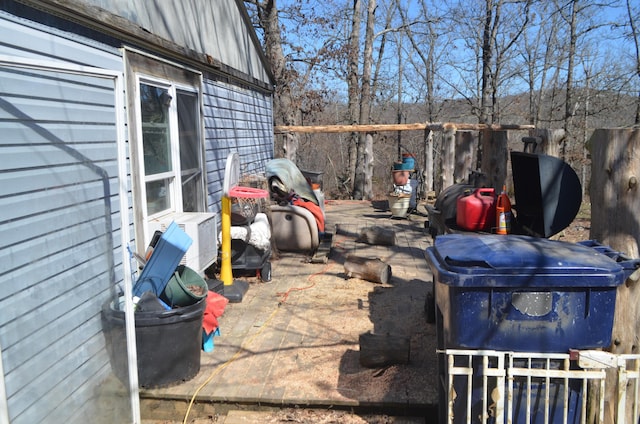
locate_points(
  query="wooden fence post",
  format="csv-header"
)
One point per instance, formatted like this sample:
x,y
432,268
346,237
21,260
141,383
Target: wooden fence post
x,y
448,156
550,140
614,188
495,157
465,153
615,222
428,161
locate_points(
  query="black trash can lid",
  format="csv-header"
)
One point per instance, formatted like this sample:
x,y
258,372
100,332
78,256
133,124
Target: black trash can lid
x,y
547,193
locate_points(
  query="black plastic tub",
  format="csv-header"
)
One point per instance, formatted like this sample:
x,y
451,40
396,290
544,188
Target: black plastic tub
x,y
168,344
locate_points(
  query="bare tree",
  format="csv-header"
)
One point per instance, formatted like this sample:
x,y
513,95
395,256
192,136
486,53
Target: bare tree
x,y
634,16
504,67
571,19
576,15
362,188
285,107
458,61
353,88
491,21
424,50
539,53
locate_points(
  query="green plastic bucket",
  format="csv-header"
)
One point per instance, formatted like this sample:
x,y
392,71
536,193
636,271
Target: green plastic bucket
x,y
185,288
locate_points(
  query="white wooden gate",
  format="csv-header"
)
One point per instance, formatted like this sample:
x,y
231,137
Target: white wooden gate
x,y
486,386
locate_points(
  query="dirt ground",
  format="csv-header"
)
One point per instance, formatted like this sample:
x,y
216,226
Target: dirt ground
x,y
577,231
297,415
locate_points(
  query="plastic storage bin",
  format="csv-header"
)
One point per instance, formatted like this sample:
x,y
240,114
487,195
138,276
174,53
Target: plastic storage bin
x,y
168,344
164,260
523,293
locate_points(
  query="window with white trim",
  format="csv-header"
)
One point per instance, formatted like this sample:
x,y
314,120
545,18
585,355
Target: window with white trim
x,y
169,131
164,103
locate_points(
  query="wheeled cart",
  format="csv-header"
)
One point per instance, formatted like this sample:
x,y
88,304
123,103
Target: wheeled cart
x,y
245,257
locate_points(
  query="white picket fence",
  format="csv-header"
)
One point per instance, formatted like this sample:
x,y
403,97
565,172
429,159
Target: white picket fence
x,y
496,387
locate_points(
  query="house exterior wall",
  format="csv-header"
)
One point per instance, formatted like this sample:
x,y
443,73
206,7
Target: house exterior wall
x,y
65,176
238,120
61,245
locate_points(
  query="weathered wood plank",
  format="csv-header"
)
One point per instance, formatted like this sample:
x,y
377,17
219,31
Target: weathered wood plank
x,y
435,126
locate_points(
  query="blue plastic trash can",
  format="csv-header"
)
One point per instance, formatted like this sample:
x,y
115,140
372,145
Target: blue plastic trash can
x,y
524,294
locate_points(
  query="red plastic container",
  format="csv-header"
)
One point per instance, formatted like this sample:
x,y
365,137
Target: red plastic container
x,y
477,211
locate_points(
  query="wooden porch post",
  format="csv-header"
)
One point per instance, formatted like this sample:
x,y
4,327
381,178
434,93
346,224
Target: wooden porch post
x,y
615,169
465,152
448,156
495,157
428,162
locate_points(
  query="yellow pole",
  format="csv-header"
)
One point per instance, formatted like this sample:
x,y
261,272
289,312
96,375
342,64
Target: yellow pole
x,y
226,273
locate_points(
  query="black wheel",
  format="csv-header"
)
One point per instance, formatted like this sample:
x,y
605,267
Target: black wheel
x,y
265,272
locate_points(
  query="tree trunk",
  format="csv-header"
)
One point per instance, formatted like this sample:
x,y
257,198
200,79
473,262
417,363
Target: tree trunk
x,y
353,91
368,166
285,111
614,188
571,56
488,37
495,154
364,160
465,143
373,270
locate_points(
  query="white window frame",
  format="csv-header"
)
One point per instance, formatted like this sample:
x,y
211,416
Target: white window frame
x,y
143,67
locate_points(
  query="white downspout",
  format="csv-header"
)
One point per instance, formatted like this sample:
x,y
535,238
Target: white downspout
x,y
4,407
132,363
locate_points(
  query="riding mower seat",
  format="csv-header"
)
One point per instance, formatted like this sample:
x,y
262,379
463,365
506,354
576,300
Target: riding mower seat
x,y
294,229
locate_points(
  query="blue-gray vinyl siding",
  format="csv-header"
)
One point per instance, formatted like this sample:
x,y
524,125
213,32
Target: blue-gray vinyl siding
x,y
61,241
235,120
60,237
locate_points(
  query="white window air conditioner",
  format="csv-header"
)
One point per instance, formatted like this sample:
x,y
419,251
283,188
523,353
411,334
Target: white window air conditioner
x,y
202,227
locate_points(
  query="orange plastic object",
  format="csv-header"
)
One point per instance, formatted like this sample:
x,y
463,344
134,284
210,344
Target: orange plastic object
x,y
247,192
503,213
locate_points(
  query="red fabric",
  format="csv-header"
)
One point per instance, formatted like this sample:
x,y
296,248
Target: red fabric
x,y
314,209
215,308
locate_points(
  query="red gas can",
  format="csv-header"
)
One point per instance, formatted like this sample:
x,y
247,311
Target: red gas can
x,y
477,211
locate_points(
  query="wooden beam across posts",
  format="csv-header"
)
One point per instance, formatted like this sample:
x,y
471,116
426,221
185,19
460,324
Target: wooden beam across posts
x,y
434,126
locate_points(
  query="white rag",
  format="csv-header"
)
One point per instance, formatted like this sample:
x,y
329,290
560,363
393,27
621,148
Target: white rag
x,y
257,235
